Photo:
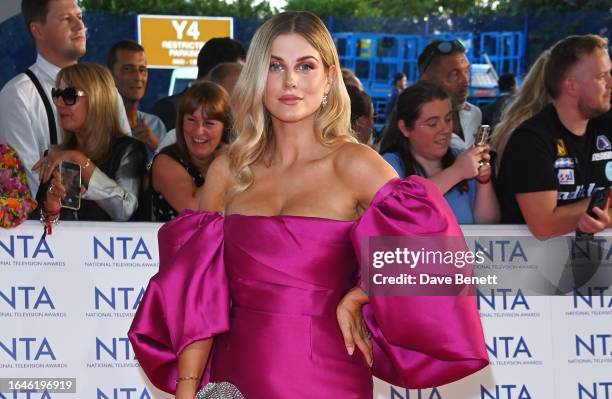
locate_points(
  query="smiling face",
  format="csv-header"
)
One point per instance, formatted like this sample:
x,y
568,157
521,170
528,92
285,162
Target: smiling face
x,y
130,74
72,117
202,135
297,80
62,35
431,134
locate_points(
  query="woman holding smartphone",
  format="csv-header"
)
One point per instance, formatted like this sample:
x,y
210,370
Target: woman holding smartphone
x,y
418,143
268,269
111,164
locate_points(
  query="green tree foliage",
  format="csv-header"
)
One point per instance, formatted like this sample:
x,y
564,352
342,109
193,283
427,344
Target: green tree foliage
x,y
343,8
337,8
543,6
421,8
238,8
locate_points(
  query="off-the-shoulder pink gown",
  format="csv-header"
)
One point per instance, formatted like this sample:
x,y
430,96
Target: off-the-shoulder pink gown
x,y
266,289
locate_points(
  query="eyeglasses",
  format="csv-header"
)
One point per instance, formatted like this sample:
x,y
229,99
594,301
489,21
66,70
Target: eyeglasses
x,y
69,95
442,48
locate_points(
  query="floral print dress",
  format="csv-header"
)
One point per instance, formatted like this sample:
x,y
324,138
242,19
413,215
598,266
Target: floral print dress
x,y
15,198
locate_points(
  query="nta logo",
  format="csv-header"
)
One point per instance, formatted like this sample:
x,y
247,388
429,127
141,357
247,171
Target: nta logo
x,y
501,250
117,348
507,391
26,395
508,347
597,390
594,344
22,247
27,348
123,393
124,298
26,297
593,297
430,393
121,247
502,299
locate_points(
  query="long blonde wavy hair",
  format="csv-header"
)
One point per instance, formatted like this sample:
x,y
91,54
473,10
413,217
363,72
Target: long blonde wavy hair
x,y
253,137
528,101
103,121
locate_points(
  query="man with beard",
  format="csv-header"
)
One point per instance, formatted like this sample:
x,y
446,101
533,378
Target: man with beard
x,y
557,159
444,63
28,118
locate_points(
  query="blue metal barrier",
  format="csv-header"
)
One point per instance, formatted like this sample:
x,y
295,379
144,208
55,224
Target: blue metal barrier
x,y
506,51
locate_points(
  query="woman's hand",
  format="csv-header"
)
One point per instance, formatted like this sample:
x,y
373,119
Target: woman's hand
x,y
352,324
55,193
143,132
468,163
187,389
47,165
484,171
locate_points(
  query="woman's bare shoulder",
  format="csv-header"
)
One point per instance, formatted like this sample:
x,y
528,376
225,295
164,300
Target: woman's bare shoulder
x,y
218,180
362,170
358,161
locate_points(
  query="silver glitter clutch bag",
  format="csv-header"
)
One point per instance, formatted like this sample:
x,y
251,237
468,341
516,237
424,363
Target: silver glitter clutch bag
x,y
219,390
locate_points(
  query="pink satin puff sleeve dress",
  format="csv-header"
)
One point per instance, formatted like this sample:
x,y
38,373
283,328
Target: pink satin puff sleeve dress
x,y
266,289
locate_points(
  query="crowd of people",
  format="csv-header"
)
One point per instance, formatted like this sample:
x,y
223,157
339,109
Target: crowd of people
x,y
549,152
267,173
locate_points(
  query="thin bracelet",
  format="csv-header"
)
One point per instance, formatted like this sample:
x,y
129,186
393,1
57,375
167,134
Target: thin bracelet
x,y
49,217
188,378
48,221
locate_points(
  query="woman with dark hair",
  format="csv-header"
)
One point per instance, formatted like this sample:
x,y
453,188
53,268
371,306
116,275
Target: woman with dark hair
x,y
418,143
362,114
178,170
112,164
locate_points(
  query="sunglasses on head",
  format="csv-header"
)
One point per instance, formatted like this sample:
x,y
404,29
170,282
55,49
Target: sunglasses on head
x,y
442,48
69,95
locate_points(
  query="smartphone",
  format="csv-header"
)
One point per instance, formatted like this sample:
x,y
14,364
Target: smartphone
x,y
71,180
598,199
482,137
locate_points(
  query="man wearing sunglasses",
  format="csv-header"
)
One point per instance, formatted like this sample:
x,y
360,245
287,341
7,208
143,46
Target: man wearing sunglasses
x,y
444,63
28,118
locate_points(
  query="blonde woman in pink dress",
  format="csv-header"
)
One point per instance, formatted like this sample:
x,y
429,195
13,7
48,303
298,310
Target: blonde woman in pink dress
x,y
261,288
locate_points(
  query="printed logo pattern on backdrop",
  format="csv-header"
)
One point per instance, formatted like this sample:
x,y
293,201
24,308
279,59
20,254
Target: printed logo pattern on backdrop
x,y
66,305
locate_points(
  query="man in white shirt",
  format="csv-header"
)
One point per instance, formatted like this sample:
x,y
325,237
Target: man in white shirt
x,y
444,63
59,35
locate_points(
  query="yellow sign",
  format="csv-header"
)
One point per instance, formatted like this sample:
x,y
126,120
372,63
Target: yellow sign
x,y
172,41
561,150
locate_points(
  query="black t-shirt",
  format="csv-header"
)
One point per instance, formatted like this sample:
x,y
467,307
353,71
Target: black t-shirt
x,y
542,155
